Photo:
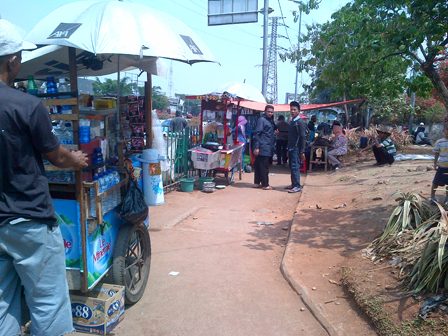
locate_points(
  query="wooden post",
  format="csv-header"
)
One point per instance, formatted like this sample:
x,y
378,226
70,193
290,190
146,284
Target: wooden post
x,y
148,110
236,138
78,174
202,120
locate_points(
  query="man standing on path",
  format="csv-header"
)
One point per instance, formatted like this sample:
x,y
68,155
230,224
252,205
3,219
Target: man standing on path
x,y
281,142
263,147
31,247
178,124
296,146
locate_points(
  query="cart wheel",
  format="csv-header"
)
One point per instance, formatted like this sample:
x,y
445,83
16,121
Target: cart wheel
x,y
132,260
230,175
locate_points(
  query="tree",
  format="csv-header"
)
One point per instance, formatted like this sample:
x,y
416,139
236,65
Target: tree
x,y
370,45
109,86
159,100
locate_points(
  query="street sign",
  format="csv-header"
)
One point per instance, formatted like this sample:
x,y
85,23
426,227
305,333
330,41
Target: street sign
x,y
221,12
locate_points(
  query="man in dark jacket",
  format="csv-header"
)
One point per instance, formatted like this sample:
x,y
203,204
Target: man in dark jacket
x,y
281,142
296,146
263,146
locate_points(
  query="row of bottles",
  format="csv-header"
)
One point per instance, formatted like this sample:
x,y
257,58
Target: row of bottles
x,y
106,180
59,175
49,87
64,131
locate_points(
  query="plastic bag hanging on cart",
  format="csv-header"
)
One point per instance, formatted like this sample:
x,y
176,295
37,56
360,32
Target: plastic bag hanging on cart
x,y
159,141
133,208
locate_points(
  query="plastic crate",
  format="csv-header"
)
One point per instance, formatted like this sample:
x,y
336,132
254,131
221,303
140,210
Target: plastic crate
x,y
203,160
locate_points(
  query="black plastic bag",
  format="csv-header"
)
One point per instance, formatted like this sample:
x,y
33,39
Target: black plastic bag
x,y
133,208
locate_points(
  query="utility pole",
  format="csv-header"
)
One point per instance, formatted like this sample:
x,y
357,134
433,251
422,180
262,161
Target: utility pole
x,y
298,47
265,47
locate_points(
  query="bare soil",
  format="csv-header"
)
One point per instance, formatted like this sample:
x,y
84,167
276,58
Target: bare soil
x,y
375,287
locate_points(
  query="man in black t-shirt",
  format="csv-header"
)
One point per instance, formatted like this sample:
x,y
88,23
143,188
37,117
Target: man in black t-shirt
x,y
31,246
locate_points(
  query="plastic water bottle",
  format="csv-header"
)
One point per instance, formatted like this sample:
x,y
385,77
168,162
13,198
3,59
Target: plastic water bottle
x,y
84,131
92,199
107,204
63,87
52,88
102,189
117,194
111,184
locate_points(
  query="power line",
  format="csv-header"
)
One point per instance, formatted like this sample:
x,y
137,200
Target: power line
x,y
197,4
286,27
245,45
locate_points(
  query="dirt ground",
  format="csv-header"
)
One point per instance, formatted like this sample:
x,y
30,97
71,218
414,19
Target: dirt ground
x,y
355,204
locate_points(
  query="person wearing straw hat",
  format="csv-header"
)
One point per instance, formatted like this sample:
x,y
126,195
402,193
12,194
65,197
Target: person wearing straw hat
x,y
382,146
32,251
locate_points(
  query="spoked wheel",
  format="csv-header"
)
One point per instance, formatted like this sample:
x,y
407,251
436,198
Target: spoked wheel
x,y
132,260
230,175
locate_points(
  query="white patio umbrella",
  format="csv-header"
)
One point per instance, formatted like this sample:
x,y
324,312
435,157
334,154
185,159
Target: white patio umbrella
x,y
53,61
120,28
242,90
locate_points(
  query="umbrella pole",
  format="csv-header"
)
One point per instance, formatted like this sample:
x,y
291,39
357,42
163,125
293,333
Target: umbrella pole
x,y
148,110
118,121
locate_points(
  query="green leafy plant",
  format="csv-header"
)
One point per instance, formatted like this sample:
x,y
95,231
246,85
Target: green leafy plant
x,y
430,271
406,216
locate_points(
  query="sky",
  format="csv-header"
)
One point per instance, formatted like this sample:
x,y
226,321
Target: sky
x,y
238,48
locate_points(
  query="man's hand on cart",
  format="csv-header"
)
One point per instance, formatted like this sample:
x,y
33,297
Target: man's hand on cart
x,y
80,159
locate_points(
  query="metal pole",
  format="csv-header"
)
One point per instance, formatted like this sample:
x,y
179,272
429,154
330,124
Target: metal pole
x,y
265,48
298,48
411,118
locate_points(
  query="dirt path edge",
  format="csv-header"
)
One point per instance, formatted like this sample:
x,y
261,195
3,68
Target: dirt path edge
x,y
308,302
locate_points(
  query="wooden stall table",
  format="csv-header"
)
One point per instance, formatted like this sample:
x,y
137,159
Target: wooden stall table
x,y
324,149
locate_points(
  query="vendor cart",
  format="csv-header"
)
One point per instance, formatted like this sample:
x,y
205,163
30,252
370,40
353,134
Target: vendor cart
x,y
228,153
99,245
221,161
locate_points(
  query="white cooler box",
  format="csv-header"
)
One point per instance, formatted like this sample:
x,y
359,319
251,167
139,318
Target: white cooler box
x,y
202,160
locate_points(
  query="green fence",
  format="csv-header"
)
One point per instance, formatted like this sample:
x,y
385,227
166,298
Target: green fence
x,y
178,156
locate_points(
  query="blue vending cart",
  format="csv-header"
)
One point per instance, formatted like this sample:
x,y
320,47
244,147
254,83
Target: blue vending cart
x,y
102,247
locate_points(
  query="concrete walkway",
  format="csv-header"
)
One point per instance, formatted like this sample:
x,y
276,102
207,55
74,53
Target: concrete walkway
x,y
236,275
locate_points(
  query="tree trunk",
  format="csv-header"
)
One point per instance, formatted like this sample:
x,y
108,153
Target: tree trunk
x,y
439,85
346,111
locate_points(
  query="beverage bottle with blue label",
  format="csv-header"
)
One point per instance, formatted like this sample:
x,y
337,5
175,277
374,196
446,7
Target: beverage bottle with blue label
x,y
117,194
92,199
63,87
67,134
107,185
52,88
97,156
110,185
102,186
31,87
84,131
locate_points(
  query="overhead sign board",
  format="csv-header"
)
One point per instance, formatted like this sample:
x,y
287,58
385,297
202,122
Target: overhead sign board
x,y
221,12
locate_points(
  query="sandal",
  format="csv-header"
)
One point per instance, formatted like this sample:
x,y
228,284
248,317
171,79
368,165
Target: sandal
x,y
268,188
289,187
256,186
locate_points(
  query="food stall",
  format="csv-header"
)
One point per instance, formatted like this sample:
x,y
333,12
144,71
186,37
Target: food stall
x,y
218,152
98,243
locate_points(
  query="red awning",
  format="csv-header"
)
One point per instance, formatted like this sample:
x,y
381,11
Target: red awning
x,y
285,107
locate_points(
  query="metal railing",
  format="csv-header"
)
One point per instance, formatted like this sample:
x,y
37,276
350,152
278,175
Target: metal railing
x,y
178,156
